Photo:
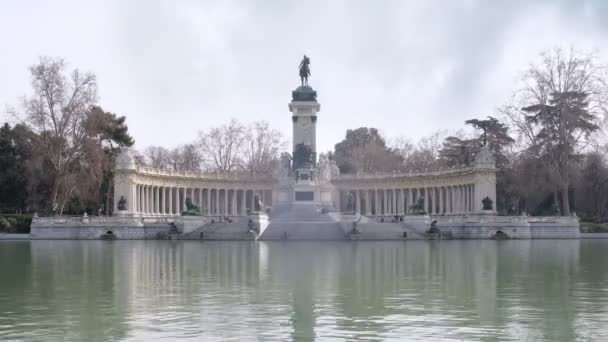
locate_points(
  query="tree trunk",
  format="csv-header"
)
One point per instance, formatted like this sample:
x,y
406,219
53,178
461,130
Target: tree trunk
x,y
565,200
110,192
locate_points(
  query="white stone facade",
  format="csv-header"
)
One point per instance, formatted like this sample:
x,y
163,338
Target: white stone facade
x,y
152,192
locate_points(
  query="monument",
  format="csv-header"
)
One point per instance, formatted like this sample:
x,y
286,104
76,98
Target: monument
x,y
308,182
306,197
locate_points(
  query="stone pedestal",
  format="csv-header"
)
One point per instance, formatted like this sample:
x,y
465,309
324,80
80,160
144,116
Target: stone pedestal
x,y
192,223
258,222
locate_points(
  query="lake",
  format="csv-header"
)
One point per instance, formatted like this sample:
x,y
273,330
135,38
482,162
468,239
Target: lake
x,y
553,290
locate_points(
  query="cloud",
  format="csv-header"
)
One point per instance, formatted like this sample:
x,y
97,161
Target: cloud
x,y
406,67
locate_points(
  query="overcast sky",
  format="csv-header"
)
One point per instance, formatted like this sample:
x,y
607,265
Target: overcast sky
x,y
405,67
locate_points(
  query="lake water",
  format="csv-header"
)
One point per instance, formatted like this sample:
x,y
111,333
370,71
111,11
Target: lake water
x,y
413,290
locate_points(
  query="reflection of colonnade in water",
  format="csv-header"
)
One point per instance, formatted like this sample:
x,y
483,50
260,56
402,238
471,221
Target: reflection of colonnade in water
x,y
361,286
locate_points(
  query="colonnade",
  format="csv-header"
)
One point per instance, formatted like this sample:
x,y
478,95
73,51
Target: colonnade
x,y
453,199
168,200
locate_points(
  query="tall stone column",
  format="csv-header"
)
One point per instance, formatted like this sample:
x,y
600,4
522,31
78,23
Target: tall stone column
x,y
217,202
142,189
458,199
208,204
235,209
384,202
177,200
137,198
433,200
426,200
376,203
461,193
452,200
441,201
145,199
368,205
394,211
161,200
225,201
184,199
156,200
466,198
474,199
243,204
170,195
471,201
148,202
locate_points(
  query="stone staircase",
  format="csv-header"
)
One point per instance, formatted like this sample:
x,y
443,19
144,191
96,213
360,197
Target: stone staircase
x,y
237,230
301,222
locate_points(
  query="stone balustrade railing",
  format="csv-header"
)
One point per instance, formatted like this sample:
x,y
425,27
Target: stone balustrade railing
x,y
390,175
202,174
473,218
109,220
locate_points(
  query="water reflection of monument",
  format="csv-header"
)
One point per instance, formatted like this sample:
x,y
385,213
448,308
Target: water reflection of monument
x,y
281,291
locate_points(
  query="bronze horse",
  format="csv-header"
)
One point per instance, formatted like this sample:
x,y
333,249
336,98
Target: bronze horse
x,y
304,70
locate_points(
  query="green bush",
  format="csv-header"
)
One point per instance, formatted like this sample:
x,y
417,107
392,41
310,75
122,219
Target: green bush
x,y
591,227
15,223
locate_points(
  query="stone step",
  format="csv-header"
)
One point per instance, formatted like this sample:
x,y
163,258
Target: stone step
x,y
303,231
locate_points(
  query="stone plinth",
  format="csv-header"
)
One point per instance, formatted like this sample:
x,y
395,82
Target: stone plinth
x,y
259,222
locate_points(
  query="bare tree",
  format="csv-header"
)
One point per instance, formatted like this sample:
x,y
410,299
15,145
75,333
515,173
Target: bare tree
x,y
158,157
262,147
57,111
221,147
560,105
186,158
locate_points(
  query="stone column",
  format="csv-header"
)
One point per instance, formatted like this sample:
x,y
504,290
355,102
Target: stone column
x,y
471,202
155,198
225,202
368,205
461,198
146,198
395,208
384,202
452,204
217,202
441,201
376,206
426,200
243,200
138,207
458,200
143,198
463,193
177,201
161,200
466,198
170,200
208,204
473,198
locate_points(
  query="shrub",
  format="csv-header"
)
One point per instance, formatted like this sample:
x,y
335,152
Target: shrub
x,y
15,223
591,227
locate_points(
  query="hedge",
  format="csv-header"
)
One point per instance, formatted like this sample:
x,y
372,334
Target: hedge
x,y
15,223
